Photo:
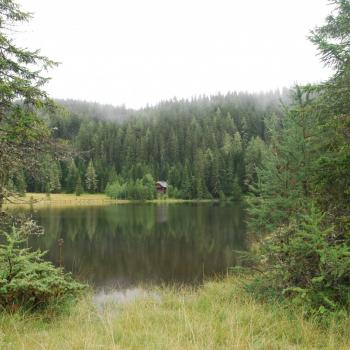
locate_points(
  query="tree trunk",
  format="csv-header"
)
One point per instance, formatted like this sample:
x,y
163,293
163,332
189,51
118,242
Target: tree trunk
x,y
1,199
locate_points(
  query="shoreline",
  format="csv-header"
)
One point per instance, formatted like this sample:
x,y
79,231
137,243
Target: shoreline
x,y
68,199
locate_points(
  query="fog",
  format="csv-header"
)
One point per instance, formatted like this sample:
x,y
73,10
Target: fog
x,y
135,52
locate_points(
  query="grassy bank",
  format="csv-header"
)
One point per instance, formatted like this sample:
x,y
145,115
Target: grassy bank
x,y
59,199
66,199
218,316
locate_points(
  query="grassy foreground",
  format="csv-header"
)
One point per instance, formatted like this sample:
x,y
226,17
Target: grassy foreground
x,y
218,316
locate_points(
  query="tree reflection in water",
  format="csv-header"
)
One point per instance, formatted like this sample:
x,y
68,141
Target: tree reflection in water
x,y
129,244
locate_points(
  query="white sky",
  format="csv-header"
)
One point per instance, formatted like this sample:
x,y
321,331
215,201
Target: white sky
x,y
138,52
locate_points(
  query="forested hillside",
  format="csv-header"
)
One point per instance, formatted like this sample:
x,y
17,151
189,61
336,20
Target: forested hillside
x,y
205,147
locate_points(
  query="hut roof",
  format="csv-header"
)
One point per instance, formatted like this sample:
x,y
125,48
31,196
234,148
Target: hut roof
x,y
162,183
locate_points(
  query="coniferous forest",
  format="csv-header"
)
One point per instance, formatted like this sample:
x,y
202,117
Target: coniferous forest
x,y
283,156
206,147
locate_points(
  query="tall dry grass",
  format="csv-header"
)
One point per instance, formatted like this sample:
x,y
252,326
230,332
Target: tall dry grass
x,y
219,315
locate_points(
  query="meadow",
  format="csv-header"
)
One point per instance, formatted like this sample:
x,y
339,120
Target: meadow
x,y
219,315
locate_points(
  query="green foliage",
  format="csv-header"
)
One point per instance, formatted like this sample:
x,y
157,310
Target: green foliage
x,y
174,192
71,178
116,191
222,196
300,201
306,262
149,184
90,178
26,280
141,189
199,146
26,147
333,165
17,183
23,136
52,178
332,38
236,190
253,157
282,177
20,78
78,187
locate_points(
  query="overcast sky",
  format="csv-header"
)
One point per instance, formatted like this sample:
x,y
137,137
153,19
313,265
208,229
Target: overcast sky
x,y
138,52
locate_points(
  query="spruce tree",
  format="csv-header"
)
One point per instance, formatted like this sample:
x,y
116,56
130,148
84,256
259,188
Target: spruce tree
x,y
90,178
187,183
252,160
236,190
72,177
23,136
78,186
301,198
279,192
215,185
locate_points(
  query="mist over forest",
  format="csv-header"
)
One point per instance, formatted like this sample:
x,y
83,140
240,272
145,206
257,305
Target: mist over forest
x,y
215,222
205,147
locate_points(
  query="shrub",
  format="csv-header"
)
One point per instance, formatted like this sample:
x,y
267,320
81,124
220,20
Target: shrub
x,y
141,189
308,263
116,191
26,280
173,192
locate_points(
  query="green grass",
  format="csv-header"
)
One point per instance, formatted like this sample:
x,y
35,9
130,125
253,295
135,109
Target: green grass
x,y
60,199
68,199
218,316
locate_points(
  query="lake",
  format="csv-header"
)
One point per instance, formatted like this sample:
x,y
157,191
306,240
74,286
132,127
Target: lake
x,y
120,246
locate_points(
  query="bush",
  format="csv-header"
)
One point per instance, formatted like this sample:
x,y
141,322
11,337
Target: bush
x,y
308,263
116,191
141,189
26,280
174,192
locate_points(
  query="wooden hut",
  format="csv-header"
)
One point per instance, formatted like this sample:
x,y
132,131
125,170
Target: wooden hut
x,y
161,186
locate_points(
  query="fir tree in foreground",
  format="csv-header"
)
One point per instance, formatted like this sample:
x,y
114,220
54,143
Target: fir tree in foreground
x,y
300,202
24,138
26,280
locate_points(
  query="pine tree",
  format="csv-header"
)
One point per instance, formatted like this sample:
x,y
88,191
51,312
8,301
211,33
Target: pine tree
x,y
333,109
52,171
55,177
149,188
252,160
236,190
200,190
72,177
78,186
214,178
282,183
23,136
187,183
174,176
90,178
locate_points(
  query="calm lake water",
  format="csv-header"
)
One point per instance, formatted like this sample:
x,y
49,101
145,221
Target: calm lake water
x,y
120,246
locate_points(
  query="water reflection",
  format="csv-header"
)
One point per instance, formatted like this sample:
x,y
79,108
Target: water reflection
x,y
125,245
119,297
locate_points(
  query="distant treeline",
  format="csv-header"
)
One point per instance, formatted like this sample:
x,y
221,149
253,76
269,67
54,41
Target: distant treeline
x,y
206,147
